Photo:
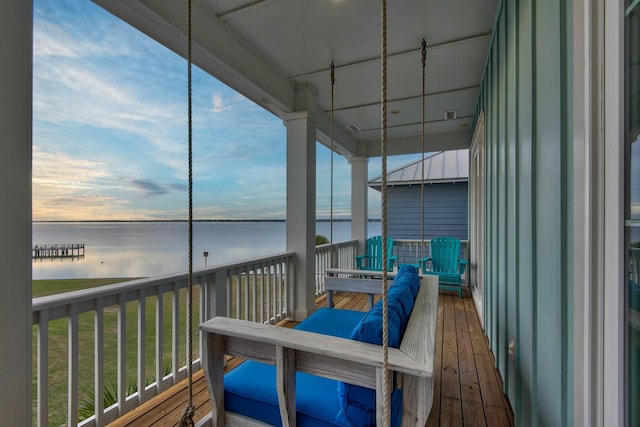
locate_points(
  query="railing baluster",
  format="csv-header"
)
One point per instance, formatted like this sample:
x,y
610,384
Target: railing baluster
x,y
235,291
98,354
159,339
229,286
279,278
142,336
175,330
269,293
43,368
72,385
245,286
254,293
122,353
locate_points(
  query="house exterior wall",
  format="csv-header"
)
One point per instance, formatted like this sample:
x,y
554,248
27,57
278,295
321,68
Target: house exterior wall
x,y
445,211
528,286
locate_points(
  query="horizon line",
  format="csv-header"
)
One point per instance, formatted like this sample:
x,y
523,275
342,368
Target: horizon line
x,y
186,220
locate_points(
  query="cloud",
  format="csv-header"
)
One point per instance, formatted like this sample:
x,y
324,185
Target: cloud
x,y
58,169
218,104
151,187
148,187
51,39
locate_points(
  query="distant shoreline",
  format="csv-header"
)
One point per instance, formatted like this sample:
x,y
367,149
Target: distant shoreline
x,y
184,220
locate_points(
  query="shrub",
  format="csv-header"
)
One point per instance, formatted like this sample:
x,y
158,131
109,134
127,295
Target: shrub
x,y
321,240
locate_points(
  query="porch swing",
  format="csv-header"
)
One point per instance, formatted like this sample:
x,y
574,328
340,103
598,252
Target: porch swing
x,y
337,367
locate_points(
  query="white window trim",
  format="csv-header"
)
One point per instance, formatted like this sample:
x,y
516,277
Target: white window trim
x,y
614,301
598,264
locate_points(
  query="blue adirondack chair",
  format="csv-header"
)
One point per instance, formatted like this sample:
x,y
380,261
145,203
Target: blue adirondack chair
x,y
445,262
372,260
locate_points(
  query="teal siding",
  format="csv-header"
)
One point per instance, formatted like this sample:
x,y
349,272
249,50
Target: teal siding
x,y
527,286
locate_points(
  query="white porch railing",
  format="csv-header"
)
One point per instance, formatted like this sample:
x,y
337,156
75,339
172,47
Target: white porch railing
x,y
255,290
344,253
410,252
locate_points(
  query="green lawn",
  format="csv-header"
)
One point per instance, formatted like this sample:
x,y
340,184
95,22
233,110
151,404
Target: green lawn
x,y
58,342
41,288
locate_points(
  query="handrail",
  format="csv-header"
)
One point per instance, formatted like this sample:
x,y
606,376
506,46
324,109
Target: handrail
x,y
254,289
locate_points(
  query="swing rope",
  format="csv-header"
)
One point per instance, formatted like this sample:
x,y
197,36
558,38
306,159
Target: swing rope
x,y
189,410
331,257
383,142
424,63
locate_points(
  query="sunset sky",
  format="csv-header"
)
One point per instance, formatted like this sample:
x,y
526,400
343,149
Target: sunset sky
x,y
110,131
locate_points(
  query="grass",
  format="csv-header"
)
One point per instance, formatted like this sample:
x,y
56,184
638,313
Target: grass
x,y
58,343
41,288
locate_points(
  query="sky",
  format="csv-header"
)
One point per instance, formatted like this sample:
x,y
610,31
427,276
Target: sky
x,y
110,132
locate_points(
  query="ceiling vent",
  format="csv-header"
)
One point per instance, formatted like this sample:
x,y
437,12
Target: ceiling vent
x,y
353,128
451,115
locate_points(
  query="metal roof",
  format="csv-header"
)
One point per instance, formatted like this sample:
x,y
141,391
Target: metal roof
x,y
442,167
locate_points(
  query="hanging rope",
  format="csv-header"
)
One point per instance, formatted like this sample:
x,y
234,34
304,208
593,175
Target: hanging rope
x,y
189,410
424,63
383,143
333,81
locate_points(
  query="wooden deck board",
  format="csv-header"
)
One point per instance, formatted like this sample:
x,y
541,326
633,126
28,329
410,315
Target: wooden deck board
x,y
467,387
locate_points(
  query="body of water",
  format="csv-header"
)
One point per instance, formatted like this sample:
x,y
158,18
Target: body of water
x,y
143,249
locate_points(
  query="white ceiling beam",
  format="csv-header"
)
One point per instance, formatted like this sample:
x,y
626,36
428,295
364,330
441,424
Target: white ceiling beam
x,y
433,142
399,54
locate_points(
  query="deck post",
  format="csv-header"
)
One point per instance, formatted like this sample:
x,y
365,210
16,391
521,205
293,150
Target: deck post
x,y
301,212
16,25
359,211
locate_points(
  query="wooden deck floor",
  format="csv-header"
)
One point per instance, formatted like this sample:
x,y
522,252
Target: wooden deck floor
x,y
467,387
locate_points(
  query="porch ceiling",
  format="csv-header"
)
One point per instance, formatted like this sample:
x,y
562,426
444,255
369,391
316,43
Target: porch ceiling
x,y
265,49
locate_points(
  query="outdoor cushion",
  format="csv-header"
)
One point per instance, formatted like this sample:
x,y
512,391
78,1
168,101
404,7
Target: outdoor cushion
x,y
408,274
250,389
358,404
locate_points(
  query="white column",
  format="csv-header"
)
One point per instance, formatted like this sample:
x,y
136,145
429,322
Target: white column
x,y
359,202
301,210
15,215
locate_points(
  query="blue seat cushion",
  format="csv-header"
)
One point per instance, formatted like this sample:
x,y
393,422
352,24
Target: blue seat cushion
x,y
332,321
250,389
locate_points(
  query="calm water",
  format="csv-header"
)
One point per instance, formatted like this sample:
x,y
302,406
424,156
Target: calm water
x,y
141,249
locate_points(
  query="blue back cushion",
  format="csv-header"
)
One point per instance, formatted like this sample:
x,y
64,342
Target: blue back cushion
x,y
358,404
408,275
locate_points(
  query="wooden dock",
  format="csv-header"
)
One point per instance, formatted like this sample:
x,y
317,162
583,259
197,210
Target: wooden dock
x,y
64,250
